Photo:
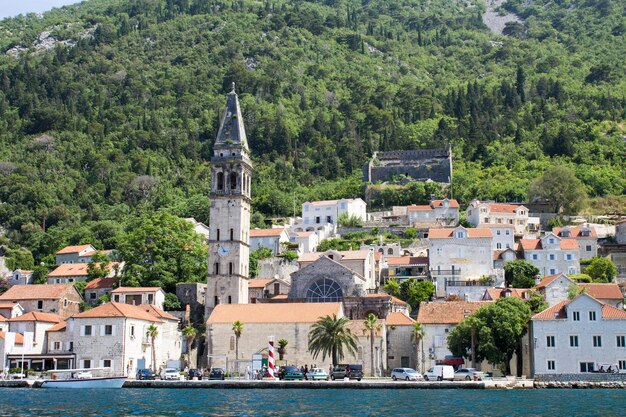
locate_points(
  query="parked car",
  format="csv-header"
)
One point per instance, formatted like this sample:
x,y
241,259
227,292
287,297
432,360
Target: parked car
x,y
406,374
291,373
216,373
317,374
440,373
195,373
347,371
170,373
468,374
147,374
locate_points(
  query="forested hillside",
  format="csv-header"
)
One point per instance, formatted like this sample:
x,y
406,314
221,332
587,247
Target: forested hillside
x,y
117,122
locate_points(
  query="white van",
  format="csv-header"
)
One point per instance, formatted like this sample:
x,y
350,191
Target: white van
x,y
440,373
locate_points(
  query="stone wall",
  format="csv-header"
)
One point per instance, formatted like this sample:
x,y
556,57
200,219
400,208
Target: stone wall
x,y
433,164
592,380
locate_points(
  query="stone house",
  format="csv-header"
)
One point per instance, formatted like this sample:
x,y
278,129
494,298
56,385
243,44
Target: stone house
x,y
401,350
405,267
10,310
38,324
459,257
586,237
364,347
97,288
273,239
494,294
193,295
620,232
555,288
77,272
362,262
482,213
114,335
551,254
78,254
21,277
503,236
266,288
200,228
438,213
578,336
139,295
18,343
307,241
320,212
290,321
61,299
605,293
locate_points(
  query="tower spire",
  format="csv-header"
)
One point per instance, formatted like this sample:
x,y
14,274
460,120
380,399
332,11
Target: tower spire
x,y
232,131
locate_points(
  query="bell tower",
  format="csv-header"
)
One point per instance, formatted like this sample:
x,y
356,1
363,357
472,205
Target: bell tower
x,y
229,236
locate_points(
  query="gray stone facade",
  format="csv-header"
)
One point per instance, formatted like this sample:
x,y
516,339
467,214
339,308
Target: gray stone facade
x,y
192,294
351,284
422,165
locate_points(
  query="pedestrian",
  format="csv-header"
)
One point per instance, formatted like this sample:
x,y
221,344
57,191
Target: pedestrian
x,y
247,372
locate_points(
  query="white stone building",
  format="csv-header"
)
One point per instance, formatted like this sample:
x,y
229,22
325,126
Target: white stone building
x,y
586,237
10,310
115,335
97,288
503,237
139,295
620,232
307,241
61,299
481,213
21,277
200,228
78,272
402,351
273,239
319,212
78,254
552,254
578,336
438,213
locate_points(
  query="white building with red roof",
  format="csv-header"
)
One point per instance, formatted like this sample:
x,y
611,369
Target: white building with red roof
x,y
482,213
79,272
586,237
21,277
578,336
317,213
273,239
97,288
439,213
139,295
61,299
552,254
78,254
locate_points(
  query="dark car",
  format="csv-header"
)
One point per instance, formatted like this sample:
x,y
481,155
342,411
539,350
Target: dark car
x,y
145,374
217,373
347,371
194,373
291,373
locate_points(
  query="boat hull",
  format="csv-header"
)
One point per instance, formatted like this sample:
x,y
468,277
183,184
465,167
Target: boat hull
x,y
113,382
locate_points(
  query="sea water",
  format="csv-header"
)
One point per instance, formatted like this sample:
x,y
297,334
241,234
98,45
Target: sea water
x,y
310,402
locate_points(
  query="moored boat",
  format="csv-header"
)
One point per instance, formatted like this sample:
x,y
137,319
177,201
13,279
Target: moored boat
x,y
81,378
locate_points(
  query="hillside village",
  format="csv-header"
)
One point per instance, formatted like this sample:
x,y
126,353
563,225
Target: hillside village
x,y
420,270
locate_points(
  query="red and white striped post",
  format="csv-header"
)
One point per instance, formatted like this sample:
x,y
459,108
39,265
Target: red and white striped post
x,y
270,357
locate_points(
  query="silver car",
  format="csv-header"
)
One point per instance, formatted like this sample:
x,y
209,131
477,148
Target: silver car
x,y
406,374
469,374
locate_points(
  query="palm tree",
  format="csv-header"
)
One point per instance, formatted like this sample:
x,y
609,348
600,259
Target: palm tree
x,y
237,329
152,332
189,332
282,348
329,335
372,324
417,336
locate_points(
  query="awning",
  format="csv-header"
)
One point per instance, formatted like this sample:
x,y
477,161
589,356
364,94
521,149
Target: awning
x,y
453,360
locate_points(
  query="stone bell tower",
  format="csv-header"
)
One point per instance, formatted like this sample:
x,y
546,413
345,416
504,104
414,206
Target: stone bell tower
x,y
229,238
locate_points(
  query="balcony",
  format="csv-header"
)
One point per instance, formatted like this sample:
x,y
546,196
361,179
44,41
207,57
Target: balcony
x,y
445,272
472,283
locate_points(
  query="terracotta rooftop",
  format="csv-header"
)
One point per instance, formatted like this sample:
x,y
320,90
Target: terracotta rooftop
x,y
7,305
23,271
497,293
259,282
304,234
447,312
75,270
274,232
37,316
74,249
157,312
399,319
19,339
603,291
547,280
114,309
559,311
396,300
273,313
60,326
37,292
407,260
439,203
2,319
135,289
502,207
348,255
535,244
576,231
448,233
418,208
569,244
100,283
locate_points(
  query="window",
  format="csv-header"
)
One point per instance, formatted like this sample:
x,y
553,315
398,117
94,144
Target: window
x,y
324,291
568,257
220,180
390,251
329,219
535,257
40,305
551,257
70,346
588,248
150,298
586,367
57,346
342,206
108,330
508,232
622,365
551,241
592,316
92,295
576,316
597,341
551,366
317,219
230,268
233,181
230,299
276,288
106,363
117,298
460,235
87,331
232,234
550,341
552,271
132,331
86,363
498,232
216,268
573,341
621,341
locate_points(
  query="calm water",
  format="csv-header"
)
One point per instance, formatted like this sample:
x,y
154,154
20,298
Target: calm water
x,y
300,402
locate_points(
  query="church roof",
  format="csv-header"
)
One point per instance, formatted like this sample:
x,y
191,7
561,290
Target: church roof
x,y
279,313
232,131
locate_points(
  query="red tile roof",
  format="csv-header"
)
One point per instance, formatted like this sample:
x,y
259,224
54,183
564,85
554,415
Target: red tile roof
x,y
100,283
259,282
37,292
439,203
73,249
157,312
547,280
114,309
2,319
502,207
75,270
497,293
7,305
610,312
447,312
61,326
278,313
530,244
19,339
569,244
407,260
396,300
557,311
37,316
399,319
576,231
274,232
418,208
448,233
135,289
603,291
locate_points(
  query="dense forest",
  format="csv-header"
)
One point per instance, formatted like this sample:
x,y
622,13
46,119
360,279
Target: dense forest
x,y
115,120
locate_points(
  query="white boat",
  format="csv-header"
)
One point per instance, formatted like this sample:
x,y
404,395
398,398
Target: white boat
x,y
81,378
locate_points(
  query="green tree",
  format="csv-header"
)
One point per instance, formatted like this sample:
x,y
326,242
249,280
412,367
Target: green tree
x,y
255,257
373,326
560,187
520,274
346,220
601,269
414,292
392,287
536,302
237,330
282,348
171,302
330,336
152,332
417,337
189,333
499,328
162,250
98,266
